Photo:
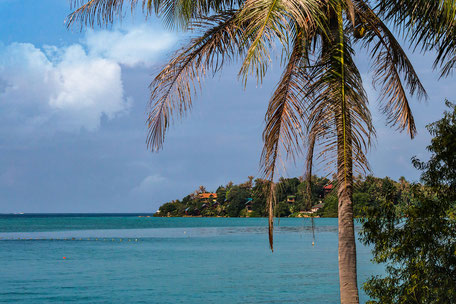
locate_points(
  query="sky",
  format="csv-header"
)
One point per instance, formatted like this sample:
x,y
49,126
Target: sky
x,y
73,106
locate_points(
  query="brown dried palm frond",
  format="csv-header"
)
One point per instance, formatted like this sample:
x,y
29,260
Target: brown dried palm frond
x,y
317,131
350,7
284,130
390,66
313,135
309,166
175,13
173,88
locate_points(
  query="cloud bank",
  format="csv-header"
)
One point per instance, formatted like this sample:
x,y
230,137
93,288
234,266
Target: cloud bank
x,y
71,88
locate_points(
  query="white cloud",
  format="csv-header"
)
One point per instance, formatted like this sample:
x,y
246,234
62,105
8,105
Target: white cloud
x,y
72,87
137,46
149,184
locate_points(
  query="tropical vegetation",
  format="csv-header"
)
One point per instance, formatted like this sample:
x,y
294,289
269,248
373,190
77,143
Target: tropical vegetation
x,y
417,241
319,103
248,199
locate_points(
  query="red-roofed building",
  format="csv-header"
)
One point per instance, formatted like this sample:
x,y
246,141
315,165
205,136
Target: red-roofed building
x,y
328,188
207,196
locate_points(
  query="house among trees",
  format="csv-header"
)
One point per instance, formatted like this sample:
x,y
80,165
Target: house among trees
x,y
208,197
317,207
248,205
327,189
291,199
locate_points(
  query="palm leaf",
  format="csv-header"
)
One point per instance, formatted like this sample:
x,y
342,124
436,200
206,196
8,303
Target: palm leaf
x,y
179,13
173,87
284,131
274,20
333,111
390,66
429,25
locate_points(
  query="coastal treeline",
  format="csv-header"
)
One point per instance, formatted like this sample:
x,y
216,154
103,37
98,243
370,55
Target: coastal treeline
x,y
294,198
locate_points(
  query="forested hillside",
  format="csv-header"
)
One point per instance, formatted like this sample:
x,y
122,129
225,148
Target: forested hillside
x,y
294,198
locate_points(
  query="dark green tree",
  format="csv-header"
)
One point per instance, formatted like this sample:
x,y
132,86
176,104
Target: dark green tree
x,y
168,209
236,198
417,242
330,209
259,197
221,194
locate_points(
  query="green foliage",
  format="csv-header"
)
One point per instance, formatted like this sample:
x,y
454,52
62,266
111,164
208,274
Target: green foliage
x,y
330,208
282,209
236,197
367,192
418,246
440,170
417,240
231,199
285,186
259,197
360,201
168,208
221,195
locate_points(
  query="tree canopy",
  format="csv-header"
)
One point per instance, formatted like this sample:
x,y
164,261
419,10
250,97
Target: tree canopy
x,y
417,241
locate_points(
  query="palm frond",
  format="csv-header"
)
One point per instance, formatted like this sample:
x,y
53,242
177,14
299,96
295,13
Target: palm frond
x,y
274,20
449,66
429,25
173,87
397,106
446,56
424,21
176,13
350,7
284,131
309,165
310,153
390,66
339,119
316,131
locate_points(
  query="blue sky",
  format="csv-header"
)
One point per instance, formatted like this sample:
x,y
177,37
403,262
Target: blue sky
x,y
72,118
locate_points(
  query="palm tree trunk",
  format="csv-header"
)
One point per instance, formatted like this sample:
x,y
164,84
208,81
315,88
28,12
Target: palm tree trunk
x,y
347,246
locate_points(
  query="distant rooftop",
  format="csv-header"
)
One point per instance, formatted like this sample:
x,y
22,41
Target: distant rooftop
x,y
207,195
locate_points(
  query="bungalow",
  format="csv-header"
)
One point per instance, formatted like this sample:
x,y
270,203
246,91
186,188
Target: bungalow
x,y
207,196
328,188
317,207
248,205
291,199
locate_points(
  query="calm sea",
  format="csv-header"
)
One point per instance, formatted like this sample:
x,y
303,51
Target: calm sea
x,y
132,259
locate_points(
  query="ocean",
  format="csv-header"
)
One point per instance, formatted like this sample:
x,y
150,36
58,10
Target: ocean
x,y
131,258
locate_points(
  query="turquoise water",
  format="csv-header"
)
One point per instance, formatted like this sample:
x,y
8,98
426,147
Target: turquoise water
x,y
130,259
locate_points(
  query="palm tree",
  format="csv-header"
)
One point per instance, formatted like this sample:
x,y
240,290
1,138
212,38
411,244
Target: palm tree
x,y
319,101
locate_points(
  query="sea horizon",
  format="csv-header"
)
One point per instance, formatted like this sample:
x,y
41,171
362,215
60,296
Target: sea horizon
x,y
108,259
